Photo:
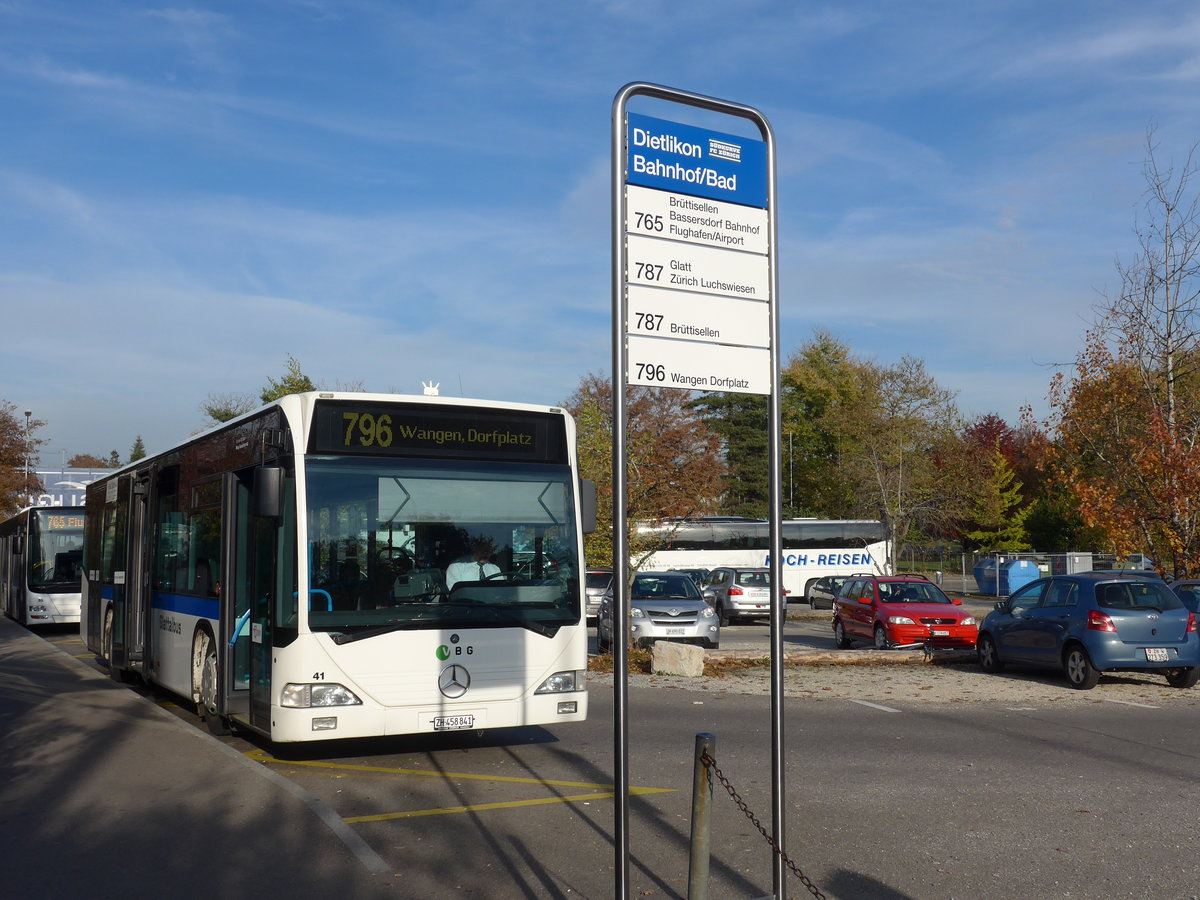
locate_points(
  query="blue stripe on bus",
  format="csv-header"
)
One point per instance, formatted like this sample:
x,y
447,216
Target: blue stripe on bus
x,y
201,607
106,592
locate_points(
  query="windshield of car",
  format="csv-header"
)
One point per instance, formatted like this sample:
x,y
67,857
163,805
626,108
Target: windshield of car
x,y
1137,595
656,587
754,579
911,592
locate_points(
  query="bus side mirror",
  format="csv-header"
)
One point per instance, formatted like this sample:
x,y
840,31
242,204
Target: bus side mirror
x,y
587,505
268,493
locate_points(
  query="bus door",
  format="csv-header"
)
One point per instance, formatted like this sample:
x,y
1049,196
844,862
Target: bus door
x,y
248,644
125,548
137,575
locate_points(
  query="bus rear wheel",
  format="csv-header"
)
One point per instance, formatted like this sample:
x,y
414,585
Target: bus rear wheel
x,y
205,675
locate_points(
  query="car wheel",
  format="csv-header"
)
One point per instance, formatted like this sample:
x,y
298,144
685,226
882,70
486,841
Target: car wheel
x,y
881,639
839,635
812,603
1081,674
989,657
1182,678
722,615
603,645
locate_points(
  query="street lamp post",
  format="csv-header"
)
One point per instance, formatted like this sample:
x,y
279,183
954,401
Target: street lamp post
x,y
28,413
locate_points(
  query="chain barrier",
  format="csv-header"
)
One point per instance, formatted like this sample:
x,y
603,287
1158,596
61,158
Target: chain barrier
x,y
711,763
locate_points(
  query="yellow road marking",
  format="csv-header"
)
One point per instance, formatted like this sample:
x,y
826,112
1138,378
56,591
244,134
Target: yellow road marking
x,y
510,804
599,791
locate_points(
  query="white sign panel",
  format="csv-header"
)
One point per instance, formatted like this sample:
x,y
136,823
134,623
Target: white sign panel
x,y
695,220
704,270
697,366
697,317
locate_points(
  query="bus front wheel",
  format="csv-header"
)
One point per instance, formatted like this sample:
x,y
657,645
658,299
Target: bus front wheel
x,y
205,675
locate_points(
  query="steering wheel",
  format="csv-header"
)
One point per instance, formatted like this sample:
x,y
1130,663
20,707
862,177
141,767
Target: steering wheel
x,y
391,554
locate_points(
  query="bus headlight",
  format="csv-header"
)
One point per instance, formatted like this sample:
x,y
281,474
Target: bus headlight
x,y
562,681
304,696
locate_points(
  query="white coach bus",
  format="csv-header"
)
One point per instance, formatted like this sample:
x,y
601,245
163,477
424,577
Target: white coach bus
x,y
41,564
287,571
812,548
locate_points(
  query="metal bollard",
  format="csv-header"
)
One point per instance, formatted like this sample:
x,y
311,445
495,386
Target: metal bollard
x,y
702,787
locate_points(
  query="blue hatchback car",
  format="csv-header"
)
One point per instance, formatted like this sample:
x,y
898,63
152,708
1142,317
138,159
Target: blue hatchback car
x,y
1094,622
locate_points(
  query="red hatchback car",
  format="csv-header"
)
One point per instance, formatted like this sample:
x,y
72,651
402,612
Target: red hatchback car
x,y
900,610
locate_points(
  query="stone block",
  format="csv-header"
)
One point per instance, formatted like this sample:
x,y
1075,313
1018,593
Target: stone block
x,y
668,658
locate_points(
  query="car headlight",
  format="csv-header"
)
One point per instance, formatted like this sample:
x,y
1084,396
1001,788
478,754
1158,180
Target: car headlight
x,y
707,613
637,613
900,620
562,681
969,620
304,696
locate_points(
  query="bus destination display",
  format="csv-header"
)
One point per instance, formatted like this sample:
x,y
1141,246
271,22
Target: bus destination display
x,y
397,429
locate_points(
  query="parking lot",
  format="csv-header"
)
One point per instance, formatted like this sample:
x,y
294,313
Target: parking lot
x,y
903,781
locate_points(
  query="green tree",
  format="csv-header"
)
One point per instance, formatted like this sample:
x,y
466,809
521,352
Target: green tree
x,y
741,422
1001,524
294,381
138,450
114,460
818,381
223,407
19,446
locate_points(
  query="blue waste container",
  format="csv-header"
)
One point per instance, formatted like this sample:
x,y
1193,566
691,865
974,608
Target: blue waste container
x,y
1001,577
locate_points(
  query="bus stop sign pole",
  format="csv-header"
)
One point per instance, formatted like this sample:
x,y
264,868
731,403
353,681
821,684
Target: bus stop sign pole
x,y
695,307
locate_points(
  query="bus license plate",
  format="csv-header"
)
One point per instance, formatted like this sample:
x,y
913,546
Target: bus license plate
x,y
453,723
1156,654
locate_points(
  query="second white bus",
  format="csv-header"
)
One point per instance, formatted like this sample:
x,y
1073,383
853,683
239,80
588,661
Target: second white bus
x,y
812,548
41,564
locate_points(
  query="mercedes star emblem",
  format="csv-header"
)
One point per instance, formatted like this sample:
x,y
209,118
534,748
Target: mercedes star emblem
x,y
454,681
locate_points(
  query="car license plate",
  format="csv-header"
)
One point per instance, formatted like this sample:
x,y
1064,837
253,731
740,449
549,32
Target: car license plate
x,y
941,633
1156,654
674,631
453,723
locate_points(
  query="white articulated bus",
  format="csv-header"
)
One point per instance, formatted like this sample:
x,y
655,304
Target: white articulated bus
x,y
41,564
812,548
287,571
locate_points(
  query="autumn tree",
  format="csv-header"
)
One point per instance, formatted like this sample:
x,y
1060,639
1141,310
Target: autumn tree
x,y
673,463
19,445
88,461
897,444
1125,421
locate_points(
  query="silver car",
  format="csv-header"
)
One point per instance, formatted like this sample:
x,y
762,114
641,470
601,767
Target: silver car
x,y
741,592
664,606
596,582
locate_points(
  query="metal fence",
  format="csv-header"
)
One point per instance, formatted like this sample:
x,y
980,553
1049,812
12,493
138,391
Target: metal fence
x,y
956,568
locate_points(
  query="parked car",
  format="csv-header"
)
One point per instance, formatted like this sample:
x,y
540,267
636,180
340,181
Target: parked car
x,y
596,582
1094,622
741,593
664,606
1188,591
700,576
823,592
898,611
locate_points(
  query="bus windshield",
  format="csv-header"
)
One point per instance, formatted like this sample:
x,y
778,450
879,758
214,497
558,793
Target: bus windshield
x,y
396,544
56,549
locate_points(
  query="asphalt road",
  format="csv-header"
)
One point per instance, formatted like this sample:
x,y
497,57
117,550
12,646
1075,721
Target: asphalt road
x,y
918,800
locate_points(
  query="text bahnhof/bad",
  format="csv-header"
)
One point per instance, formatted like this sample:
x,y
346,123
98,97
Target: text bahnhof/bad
x,y
669,143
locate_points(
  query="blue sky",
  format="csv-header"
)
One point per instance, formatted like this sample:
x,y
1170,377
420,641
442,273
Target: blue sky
x,y
394,192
